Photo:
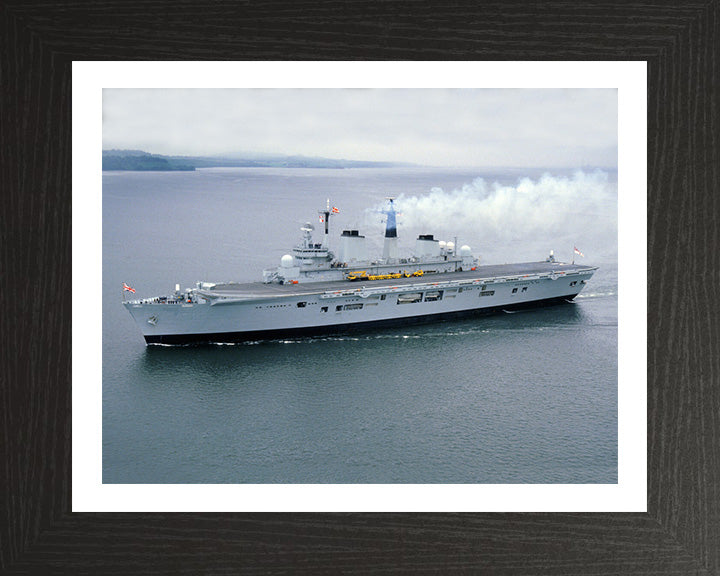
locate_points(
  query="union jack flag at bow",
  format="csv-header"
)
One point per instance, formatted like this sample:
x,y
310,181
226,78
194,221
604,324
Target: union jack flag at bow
x,y
578,252
127,288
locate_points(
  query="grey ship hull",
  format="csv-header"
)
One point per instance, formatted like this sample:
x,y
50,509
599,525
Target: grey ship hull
x,y
256,311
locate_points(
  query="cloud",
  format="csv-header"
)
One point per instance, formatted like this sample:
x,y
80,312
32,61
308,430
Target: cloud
x,y
439,127
528,216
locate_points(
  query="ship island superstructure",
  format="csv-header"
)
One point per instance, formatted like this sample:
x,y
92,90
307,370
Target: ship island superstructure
x,y
315,291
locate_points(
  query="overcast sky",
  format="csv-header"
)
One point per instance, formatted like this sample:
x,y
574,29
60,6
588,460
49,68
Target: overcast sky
x,y
440,127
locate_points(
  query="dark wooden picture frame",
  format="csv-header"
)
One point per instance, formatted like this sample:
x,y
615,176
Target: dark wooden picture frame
x,y
680,533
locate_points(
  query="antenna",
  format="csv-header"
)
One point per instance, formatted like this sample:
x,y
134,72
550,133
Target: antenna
x,y
455,252
325,218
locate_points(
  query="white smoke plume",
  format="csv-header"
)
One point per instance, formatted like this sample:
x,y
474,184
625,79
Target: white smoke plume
x,y
526,219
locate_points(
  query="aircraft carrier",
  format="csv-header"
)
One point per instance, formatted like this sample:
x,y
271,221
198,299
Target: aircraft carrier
x,y
315,291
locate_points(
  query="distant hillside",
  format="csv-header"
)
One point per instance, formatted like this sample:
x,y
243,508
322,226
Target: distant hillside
x,y
143,161
137,160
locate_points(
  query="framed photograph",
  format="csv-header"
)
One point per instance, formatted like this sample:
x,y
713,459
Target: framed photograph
x,y
661,522
517,410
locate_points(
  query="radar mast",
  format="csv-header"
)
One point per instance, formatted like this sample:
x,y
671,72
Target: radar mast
x,y
390,251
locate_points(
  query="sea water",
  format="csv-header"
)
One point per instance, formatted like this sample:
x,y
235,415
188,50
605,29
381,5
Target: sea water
x,y
525,397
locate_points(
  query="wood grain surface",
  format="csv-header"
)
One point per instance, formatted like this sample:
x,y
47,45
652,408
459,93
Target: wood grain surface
x,y
680,534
